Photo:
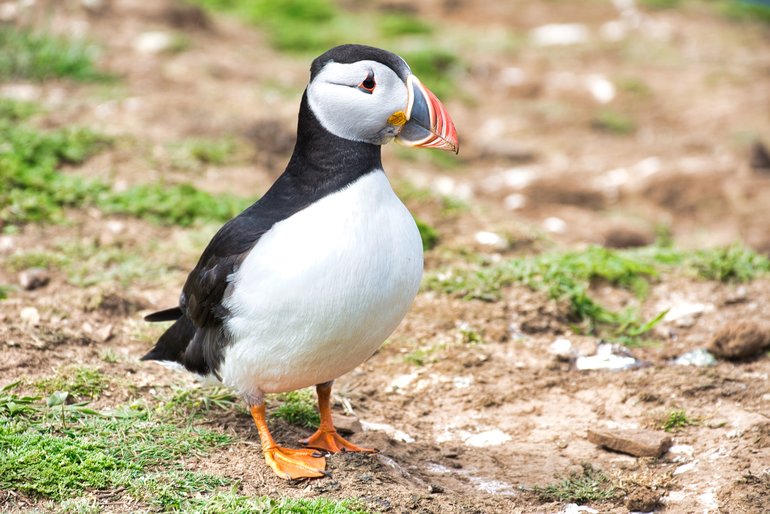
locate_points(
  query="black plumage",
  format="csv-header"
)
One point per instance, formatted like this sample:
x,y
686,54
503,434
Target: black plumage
x,y
321,164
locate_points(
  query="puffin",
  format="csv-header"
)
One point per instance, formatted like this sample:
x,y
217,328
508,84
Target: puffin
x,y
307,283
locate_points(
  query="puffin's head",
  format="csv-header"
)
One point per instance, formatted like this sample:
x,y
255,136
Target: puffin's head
x,y
366,94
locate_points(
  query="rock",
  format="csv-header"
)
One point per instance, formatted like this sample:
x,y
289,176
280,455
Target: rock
x,y
30,316
555,225
643,499
346,424
153,42
562,349
639,443
104,333
700,357
557,34
608,356
760,157
34,278
627,235
740,340
602,90
486,238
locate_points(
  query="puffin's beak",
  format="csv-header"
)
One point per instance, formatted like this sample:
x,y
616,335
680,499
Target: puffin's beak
x,y
428,123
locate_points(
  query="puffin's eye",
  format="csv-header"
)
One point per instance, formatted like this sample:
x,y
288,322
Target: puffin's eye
x,y
368,84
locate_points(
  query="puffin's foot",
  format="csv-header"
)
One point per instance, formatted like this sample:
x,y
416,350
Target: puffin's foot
x,y
289,463
332,442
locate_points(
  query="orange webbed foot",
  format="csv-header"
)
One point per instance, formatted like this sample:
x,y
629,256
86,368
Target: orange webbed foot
x,y
290,464
332,442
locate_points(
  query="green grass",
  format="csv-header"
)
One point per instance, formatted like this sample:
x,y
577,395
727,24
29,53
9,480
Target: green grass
x,y
569,276
231,502
198,401
428,234
34,188
194,152
298,408
613,122
661,4
27,55
746,10
59,451
676,420
310,27
589,485
81,382
86,263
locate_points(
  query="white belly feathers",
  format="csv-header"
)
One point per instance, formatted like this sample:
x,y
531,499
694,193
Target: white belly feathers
x,y
322,290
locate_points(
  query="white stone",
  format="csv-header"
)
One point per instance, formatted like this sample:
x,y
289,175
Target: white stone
x,y
152,42
556,34
681,449
494,437
514,201
30,316
489,239
555,225
393,433
513,76
600,88
684,468
562,349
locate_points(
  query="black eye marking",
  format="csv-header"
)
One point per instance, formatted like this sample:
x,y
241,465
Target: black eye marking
x,y
368,84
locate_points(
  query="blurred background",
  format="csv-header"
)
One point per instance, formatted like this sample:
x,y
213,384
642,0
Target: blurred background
x,y
614,123
612,186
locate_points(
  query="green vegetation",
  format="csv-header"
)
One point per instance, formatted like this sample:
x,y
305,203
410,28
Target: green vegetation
x,y
613,122
298,408
570,275
429,235
232,502
87,263
195,401
589,485
55,450
313,26
26,55
80,382
748,10
192,153
34,188
661,4
50,448
676,420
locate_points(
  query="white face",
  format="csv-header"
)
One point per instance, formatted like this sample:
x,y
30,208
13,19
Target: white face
x,y
344,101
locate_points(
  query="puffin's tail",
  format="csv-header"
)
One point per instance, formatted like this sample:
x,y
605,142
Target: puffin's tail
x,y
171,314
171,346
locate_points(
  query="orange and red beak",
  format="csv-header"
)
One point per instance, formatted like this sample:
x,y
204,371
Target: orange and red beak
x,y
428,123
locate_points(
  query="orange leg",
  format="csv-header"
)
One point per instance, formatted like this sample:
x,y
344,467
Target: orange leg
x,y
326,437
286,462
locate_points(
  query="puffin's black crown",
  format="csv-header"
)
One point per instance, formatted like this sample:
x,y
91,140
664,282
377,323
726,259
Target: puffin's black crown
x,y
347,54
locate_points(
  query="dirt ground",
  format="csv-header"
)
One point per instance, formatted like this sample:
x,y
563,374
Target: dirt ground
x,y
476,426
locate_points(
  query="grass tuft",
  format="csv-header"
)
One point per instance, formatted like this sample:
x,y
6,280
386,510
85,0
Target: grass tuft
x,y
297,408
27,55
676,420
570,275
428,234
33,188
590,485
79,382
57,451
613,122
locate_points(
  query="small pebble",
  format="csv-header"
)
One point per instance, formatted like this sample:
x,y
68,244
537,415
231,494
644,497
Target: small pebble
x,y
34,278
30,316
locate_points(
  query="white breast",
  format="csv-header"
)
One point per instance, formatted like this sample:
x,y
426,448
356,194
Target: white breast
x,y
322,290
